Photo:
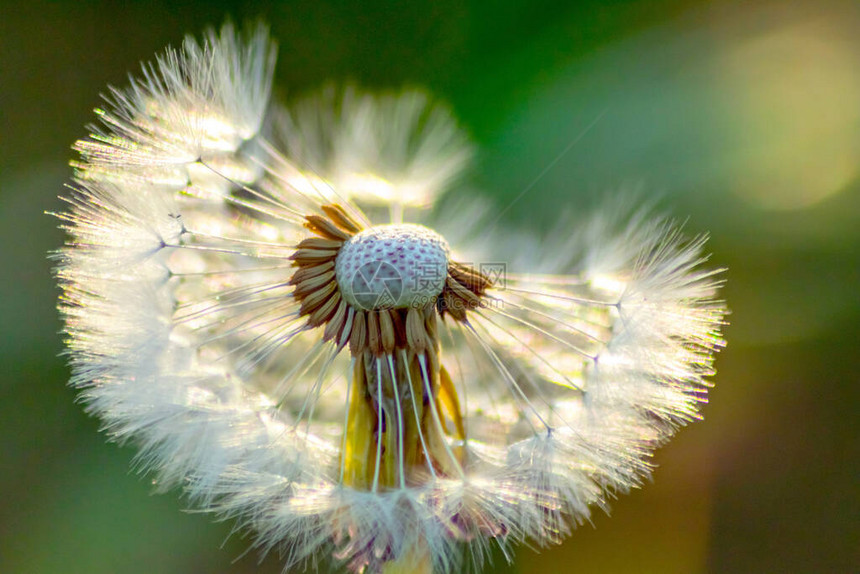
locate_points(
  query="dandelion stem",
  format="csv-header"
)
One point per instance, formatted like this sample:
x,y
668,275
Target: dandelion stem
x,y
416,561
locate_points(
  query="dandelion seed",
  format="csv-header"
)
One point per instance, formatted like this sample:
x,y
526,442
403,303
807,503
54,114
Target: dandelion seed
x,y
343,384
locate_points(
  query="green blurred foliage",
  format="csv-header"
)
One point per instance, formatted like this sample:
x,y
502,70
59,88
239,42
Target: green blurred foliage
x,y
743,117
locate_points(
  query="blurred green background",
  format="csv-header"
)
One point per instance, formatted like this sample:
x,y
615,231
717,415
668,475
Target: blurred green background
x,y
743,117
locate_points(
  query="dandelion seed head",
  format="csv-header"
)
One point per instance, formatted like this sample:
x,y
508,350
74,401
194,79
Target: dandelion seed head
x,y
395,265
338,381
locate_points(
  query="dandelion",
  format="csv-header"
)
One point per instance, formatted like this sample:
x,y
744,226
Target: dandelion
x,y
289,337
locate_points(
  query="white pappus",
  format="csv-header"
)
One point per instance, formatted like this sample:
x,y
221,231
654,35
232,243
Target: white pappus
x,y
262,299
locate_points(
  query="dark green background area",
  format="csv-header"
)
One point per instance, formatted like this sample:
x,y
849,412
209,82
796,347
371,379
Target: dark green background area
x,y
741,117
